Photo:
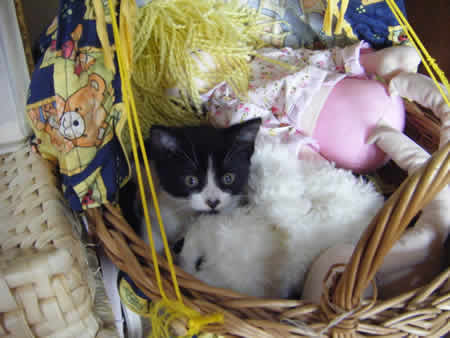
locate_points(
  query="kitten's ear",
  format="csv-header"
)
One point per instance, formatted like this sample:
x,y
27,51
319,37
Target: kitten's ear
x,y
245,132
163,139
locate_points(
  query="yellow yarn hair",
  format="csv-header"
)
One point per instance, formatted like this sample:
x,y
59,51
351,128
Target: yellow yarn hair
x,y
168,34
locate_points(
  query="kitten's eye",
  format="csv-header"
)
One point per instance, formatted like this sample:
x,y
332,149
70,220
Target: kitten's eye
x,y
199,263
191,181
228,179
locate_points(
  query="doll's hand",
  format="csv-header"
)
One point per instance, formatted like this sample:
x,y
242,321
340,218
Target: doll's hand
x,y
391,61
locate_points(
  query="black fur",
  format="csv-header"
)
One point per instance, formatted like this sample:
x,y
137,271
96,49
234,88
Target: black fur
x,y
178,152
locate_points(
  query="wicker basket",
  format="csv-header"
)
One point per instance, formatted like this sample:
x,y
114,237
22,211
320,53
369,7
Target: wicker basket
x,y
422,312
47,287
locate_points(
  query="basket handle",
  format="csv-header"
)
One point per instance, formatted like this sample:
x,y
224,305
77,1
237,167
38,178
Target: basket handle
x,y
421,89
426,178
387,227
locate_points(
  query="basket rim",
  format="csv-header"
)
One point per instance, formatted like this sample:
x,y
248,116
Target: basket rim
x,y
123,245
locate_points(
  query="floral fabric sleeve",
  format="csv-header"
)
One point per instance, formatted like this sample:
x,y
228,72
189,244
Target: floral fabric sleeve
x,y
283,82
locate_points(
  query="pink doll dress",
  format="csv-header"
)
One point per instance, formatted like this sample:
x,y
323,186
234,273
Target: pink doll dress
x,y
280,91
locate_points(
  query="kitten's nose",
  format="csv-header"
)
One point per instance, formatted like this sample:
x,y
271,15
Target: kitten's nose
x,y
212,203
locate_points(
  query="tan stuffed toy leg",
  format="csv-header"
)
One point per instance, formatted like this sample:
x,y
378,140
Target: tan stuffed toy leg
x,y
416,257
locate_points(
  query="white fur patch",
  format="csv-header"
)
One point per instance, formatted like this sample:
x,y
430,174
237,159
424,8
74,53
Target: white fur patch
x,y
178,213
168,142
211,192
241,252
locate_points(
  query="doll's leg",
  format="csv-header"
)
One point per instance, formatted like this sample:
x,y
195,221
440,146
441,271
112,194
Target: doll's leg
x,y
390,61
407,154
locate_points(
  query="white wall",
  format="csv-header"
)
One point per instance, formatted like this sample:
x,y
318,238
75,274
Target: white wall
x,y
14,80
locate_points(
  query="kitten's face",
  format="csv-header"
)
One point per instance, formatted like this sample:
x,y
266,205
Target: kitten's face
x,y
206,167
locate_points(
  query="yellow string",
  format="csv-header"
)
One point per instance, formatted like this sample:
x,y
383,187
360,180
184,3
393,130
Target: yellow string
x,y
127,99
128,12
285,65
328,18
103,35
174,309
166,312
333,10
424,55
340,21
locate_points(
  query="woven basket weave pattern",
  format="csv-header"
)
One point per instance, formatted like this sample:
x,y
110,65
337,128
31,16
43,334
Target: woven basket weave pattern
x,y
421,312
45,285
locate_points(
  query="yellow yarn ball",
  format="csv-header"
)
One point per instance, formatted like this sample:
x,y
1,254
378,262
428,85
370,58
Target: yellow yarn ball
x,y
170,36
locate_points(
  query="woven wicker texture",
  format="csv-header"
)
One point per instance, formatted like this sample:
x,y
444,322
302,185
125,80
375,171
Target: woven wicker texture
x,y
421,312
45,286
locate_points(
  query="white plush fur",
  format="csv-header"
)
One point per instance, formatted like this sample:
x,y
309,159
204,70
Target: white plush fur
x,y
242,252
297,209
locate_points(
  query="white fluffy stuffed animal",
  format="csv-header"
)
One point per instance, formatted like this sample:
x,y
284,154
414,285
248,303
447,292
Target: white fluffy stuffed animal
x,y
296,210
242,252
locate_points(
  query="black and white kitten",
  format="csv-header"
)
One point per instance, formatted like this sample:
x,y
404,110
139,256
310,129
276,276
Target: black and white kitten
x,y
197,170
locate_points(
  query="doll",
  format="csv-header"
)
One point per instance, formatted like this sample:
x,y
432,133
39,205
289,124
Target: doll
x,y
417,257
329,100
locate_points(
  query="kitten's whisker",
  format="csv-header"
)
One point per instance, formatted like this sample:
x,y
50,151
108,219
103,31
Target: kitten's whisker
x,y
181,208
187,157
232,151
193,152
194,160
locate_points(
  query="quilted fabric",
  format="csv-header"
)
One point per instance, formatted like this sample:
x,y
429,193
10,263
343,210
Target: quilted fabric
x,y
75,107
302,21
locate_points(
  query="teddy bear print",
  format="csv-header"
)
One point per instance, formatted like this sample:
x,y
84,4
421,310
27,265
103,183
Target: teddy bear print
x,y
83,57
69,48
78,121
40,115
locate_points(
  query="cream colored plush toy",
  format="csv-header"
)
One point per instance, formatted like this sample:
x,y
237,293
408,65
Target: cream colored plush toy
x,y
416,258
327,99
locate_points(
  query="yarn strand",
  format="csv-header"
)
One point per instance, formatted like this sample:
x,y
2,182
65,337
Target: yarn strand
x,y
127,99
428,62
169,308
170,32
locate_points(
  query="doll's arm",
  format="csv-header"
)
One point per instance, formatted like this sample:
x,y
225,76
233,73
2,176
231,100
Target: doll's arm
x,y
403,151
391,61
421,89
